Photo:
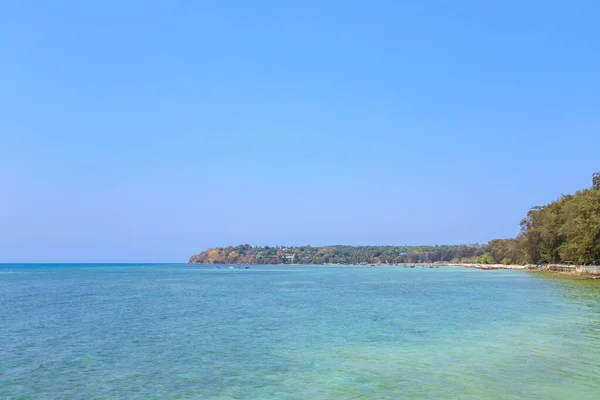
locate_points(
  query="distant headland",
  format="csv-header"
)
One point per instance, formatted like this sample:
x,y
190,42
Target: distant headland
x,y
348,255
564,231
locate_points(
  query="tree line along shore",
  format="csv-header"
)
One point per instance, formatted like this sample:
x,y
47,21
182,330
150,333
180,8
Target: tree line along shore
x,y
565,231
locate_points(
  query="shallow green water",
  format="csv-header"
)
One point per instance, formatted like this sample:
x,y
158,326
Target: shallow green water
x,y
182,332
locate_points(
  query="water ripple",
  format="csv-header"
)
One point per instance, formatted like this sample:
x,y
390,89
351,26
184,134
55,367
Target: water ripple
x,y
140,332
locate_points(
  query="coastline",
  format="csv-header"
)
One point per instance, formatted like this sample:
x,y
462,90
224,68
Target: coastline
x,y
493,266
577,271
565,274
581,272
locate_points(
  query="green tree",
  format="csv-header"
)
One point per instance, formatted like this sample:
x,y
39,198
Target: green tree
x,y
486,258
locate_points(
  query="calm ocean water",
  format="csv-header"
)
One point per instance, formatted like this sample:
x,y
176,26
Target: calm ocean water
x,y
274,332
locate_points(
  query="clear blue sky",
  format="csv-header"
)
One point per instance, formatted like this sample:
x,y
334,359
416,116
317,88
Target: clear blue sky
x,y
151,130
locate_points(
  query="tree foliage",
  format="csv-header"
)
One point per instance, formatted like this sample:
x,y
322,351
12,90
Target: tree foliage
x,y
246,254
566,230
486,258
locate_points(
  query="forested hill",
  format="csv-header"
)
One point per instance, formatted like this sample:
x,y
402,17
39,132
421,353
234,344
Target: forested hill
x,y
246,254
566,230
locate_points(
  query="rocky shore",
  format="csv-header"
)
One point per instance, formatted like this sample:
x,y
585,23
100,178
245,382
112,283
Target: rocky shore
x,y
583,271
494,266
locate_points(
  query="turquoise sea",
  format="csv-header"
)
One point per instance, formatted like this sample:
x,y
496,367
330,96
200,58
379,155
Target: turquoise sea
x,y
295,332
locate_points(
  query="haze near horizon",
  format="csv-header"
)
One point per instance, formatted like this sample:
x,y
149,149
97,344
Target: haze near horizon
x,y
150,131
